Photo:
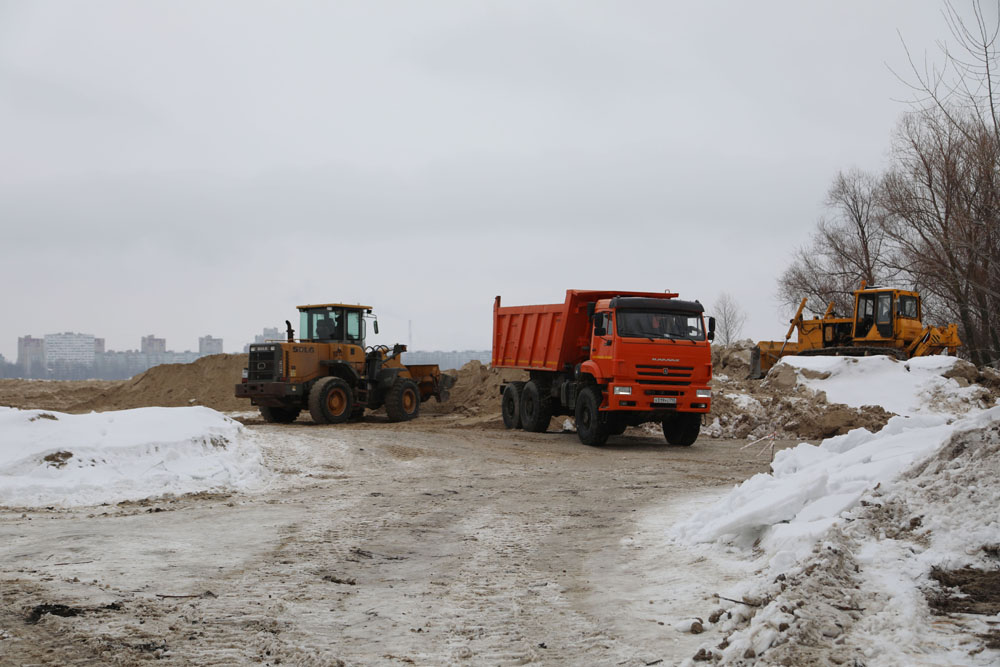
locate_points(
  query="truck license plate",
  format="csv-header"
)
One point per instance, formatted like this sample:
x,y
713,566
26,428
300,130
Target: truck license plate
x,y
665,400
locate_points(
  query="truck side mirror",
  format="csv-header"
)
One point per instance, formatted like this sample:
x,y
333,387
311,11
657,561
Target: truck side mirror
x,y
375,326
711,328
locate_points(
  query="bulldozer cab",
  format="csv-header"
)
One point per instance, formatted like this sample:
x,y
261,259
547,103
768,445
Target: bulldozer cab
x,y
333,323
882,314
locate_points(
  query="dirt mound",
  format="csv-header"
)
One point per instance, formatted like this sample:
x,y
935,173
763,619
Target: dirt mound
x,y
58,395
733,360
208,381
476,392
756,409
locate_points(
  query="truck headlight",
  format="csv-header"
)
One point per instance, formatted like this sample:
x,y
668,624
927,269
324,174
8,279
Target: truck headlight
x,y
703,393
246,374
623,391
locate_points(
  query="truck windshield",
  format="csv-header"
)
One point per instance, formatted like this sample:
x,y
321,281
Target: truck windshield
x,y
659,324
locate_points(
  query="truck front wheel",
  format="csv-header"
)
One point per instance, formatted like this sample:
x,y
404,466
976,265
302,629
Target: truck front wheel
x,y
536,408
331,401
589,427
510,404
403,401
682,428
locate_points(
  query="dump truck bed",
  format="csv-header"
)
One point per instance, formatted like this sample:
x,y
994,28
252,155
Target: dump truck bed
x,y
549,337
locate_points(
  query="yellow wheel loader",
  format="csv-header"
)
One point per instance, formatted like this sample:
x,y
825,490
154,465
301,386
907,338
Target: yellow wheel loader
x,y
330,372
885,321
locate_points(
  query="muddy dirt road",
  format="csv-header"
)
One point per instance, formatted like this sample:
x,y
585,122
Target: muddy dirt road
x,y
423,543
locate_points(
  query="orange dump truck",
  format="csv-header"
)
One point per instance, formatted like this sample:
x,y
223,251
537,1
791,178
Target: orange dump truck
x,y
610,359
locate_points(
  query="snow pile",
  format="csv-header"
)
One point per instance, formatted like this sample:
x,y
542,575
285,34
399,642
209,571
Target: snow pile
x,y
917,386
848,535
867,592
809,486
52,458
941,516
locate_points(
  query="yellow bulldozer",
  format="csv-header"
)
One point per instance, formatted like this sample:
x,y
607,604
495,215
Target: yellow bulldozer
x,y
330,372
885,321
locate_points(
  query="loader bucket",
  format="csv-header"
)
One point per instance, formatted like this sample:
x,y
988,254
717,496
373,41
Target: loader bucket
x,y
432,381
444,385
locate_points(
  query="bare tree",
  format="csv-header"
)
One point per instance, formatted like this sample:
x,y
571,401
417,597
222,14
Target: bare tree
x,y
849,246
943,191
941,198
730,319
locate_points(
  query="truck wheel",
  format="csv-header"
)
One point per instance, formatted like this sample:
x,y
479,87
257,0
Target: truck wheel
x,y
403,401
536,408
273,415
682,429
589,427
510,404
331,401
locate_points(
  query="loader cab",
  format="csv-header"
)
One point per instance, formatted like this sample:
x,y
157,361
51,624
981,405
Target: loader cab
x,y
333,323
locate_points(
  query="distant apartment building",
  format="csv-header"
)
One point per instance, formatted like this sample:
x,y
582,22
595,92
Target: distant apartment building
x,y
31,355
267,334
209,345
73,356
71,349
153,345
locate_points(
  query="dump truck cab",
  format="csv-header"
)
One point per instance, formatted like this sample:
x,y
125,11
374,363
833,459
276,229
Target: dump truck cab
x,y
652,353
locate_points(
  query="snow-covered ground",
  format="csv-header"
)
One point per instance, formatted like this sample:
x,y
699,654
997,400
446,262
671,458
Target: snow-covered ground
x,y
917,386
52,458
830,555
852,520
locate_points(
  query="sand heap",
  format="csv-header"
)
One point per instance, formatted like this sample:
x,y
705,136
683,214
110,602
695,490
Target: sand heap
x,y
209,381
476,392
58,395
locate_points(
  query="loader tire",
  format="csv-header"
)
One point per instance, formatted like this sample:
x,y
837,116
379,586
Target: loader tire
x,y
331,401
274,415
682,428
403,400
510,404
589,427
536,408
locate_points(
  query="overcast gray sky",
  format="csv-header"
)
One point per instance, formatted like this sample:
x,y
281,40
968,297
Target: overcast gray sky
x,y
192,168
